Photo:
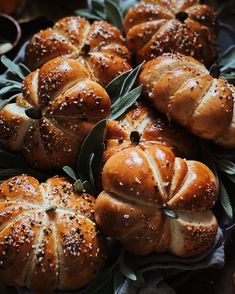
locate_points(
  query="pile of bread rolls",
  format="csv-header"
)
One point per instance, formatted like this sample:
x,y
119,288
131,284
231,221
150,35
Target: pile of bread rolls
x,y
156,197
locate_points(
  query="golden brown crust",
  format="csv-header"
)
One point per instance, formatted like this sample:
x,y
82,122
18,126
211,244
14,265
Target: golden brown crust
x,y
60,248
155,27
182,88
101,44
139,183
150,127
69,104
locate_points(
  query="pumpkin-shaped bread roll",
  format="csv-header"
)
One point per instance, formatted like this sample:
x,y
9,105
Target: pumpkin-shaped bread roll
x,y
153,201
154,27
142,124
60,104
48,237
182,88
100,46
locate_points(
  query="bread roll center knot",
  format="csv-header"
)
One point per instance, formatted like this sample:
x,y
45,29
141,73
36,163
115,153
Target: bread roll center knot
x,y
34,113
135,137
181,16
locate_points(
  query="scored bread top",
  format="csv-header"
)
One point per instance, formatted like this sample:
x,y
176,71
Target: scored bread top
x,y
66,104
99,46
139,184
154,27
182,88
48,232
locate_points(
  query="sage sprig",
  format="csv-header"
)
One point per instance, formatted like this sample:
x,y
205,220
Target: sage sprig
x,y
89,161
111,279
112,11
11,86
121,92
222,163
225,64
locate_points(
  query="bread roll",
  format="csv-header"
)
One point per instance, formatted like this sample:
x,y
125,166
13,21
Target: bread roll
x,y
99,46
141,124
157,26
60,104
48,236
183,89
140,185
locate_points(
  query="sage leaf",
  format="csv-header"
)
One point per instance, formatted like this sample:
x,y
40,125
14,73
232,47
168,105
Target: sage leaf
x,y
126,5
226,166
12,67
78,186
117,2
25,69
91,176
8,89
119,279
7,101
91,145
122,104
130,80
98,8
228,56
128,272
139,281
87,14
225,201
114,87
231,177
114,15
70,172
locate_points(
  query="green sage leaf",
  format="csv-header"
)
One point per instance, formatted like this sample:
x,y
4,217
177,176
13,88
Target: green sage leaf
x,y
126,5
119,279
226,166
12,67
91,176
98,8
114,15
225,201
78,186
122,104
115,86
91,145
130,80
70,172
7,101
87,14
139,281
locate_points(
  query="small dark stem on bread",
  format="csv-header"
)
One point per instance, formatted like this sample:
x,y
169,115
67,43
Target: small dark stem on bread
x,y
85,49
181,16
34,113
135,137
51,208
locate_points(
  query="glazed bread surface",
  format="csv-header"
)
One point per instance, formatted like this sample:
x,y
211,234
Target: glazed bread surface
x,y
182,88
142,124
59,106
140,185
99,46
154,27
48,237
